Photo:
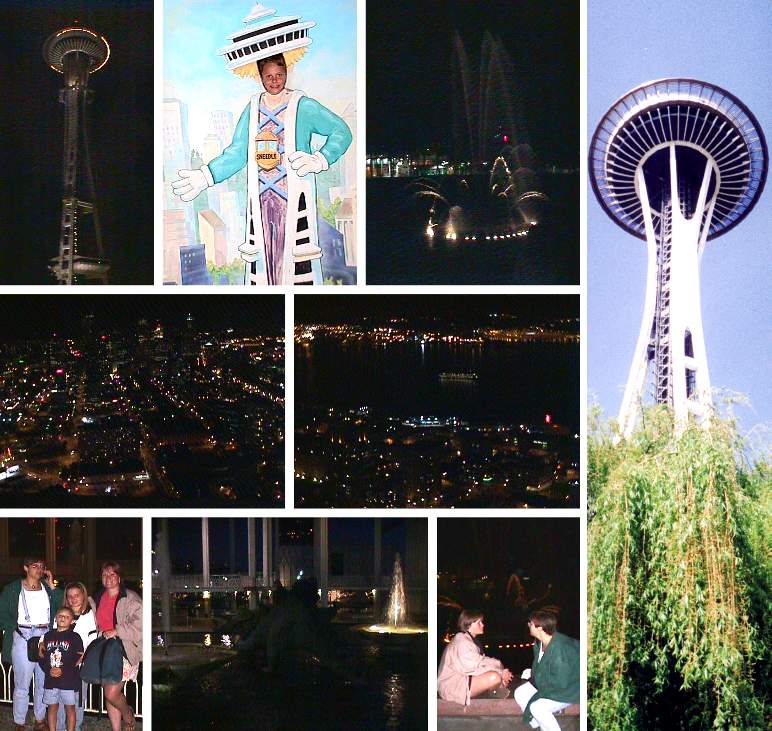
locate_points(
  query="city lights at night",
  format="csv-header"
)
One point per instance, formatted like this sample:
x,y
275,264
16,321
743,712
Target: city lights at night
x,y
142,401
418,402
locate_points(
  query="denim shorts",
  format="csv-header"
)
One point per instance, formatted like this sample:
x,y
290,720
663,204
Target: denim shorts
x,y
59,695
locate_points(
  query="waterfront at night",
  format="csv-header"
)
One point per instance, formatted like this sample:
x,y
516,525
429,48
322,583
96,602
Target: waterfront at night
x,y
468,407
155,401
466,240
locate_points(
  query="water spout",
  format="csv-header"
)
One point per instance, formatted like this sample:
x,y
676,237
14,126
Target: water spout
x,y
396,609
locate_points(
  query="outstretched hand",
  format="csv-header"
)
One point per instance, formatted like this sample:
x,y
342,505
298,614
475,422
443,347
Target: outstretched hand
x,y
190,184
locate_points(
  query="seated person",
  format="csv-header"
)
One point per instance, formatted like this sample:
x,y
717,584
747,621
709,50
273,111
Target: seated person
x,y
554,676
465,671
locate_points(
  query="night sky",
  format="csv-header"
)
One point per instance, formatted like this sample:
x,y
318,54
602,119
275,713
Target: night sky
x,y
469,310
120,132
409,70
544,549
185,537
38,316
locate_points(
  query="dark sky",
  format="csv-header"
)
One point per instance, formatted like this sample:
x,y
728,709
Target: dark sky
x,y
464,309
185,537
409,70
544,549
120,131
37,316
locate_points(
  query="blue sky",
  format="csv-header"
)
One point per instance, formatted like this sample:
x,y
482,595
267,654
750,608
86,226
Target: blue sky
x,y
728,44
195,29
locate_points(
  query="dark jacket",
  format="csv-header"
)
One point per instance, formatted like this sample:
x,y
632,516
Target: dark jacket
x,y
556,677
9,612
128,622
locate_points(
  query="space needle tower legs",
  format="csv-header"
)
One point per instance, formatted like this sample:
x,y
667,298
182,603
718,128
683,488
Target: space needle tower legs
x,y
672,320
675,162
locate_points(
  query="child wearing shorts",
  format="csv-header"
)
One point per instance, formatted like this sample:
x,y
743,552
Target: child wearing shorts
x,y
60,654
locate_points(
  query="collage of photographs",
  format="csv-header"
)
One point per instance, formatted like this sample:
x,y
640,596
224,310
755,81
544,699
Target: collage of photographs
x,y
441,449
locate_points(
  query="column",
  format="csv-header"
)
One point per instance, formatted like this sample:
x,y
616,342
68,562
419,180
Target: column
x,y
205,565
267,552
205,551
377,557
51,544
163,565
91,548
321,557
252,562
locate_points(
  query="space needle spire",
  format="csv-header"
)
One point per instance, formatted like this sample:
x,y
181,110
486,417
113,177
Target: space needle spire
x,y
76,53
676,162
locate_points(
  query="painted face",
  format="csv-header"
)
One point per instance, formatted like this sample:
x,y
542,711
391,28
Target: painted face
x,y
63,621
110,580
76,600
274,78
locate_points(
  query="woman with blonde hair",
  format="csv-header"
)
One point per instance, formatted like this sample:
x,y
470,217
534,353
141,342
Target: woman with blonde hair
x,y
465,671
84,612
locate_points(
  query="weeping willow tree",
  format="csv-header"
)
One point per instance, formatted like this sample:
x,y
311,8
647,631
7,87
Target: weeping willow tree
x,y
678,579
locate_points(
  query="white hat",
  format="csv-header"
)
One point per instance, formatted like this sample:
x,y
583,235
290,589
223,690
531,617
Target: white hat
x,y
267,38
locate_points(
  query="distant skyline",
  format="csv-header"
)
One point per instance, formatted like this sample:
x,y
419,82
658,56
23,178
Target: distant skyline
x,y
726,44
469,309
38,316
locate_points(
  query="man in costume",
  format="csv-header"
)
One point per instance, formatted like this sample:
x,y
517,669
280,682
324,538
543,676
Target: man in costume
x,y
554,677
273,140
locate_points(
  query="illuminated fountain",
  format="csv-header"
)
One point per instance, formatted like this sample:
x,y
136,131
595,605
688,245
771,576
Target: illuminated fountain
x,y
396,620
493,194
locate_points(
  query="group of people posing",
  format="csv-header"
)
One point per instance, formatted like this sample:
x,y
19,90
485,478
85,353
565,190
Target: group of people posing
x,y
551,683
66,623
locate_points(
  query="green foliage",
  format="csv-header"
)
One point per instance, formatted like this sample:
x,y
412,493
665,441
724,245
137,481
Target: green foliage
x,y
678,580
233,271
328,212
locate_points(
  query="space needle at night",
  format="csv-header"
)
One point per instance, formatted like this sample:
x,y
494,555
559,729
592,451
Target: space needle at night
x,y
76,53
676,162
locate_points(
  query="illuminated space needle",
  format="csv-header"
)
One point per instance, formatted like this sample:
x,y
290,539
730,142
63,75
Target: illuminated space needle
x,y
676,162
76,53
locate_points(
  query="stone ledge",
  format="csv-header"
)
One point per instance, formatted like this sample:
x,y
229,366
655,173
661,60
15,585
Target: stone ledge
x,y
493,715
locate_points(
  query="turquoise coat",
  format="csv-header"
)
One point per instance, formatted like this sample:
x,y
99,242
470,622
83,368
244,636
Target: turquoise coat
x,y
312,118
556,677
9,612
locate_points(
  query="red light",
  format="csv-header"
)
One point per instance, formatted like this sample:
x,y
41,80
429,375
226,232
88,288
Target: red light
x,y
60,371
506,139
547,418
104,337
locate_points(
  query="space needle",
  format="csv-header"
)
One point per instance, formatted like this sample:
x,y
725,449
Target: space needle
x,y
676,162
76,53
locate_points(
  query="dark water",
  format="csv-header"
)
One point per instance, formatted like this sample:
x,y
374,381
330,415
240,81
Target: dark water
x,y
376,685
516,383
398,251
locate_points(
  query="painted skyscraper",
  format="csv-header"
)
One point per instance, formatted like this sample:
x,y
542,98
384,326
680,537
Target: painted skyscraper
x,y
676,162
76,53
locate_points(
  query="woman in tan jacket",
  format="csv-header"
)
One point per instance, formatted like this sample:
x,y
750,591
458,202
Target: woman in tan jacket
x,y
465,672
119,614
